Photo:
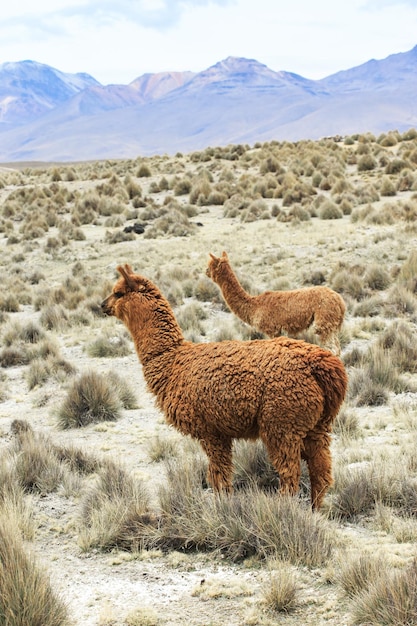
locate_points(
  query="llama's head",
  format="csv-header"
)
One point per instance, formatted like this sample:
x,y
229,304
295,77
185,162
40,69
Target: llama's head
x,y
124,295
215,264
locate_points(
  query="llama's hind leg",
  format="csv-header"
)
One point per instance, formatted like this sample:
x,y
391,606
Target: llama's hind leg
x,y
316,451
329,341
219,454
284,453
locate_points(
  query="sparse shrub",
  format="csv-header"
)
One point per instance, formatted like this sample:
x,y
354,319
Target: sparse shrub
x,y
124,391
9,303
161,448
199,191
174,224
300,213
387,187
390,601
91,398
190,317
144,171
347,283
357,573
395,166
206,291
258,209
329,210
114,511
376,277
366,163
118,236
253,467
26,595
53,317
346,425
182,187
109,346
279,591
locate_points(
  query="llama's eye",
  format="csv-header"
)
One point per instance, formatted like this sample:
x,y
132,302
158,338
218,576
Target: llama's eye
x,y
118,294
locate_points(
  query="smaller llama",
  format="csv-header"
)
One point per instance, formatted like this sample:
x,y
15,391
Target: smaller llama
x,y
285,392
292,311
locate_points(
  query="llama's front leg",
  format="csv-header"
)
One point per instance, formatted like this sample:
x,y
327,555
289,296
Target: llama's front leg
x,y
219,453
316,452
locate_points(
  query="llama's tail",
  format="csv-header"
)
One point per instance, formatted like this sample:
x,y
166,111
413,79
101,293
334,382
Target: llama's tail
x,y
330,374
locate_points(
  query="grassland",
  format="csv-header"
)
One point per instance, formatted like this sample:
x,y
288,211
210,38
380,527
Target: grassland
x,y
104,510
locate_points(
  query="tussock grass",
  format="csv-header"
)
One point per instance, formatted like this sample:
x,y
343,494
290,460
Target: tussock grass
x,y
279,591
390,601
91,398
359,489
114,511
26,595
109,345
357,572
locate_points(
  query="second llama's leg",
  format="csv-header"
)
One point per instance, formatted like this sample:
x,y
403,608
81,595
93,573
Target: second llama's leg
x,y
332,343
219,453
328,340
316,451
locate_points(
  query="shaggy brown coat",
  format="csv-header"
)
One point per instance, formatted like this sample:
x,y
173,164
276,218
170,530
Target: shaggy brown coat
x,y
284,391
275,311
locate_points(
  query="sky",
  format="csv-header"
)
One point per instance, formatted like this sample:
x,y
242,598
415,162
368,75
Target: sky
x,y
116,41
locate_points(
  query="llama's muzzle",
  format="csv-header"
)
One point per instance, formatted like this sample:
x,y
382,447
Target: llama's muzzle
x,y
106,308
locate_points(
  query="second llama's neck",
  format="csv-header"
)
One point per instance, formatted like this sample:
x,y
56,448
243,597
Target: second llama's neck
x,y
238,300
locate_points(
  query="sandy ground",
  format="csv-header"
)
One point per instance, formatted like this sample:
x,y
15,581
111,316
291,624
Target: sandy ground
x,y
174,589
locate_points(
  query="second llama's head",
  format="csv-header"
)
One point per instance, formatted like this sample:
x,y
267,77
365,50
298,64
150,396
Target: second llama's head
x,y
215,265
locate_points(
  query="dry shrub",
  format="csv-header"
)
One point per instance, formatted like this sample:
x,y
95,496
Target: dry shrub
x,y
114,511
109,346
355,573
26,595
390,601
401,342
173,224
53,317
346,425
329,210
382,481
36,466
376,277
90,399
378,375
244,524
252,466
279,591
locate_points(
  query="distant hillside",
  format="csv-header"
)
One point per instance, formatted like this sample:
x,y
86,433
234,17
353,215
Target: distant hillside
x,y
47,115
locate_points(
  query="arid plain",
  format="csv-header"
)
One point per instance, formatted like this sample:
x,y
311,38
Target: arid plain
x,y
340,212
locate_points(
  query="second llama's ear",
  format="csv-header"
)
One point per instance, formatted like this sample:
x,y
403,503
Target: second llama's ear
x,y
224,255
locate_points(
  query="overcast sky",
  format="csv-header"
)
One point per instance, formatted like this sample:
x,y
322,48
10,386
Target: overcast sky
x,y
118,40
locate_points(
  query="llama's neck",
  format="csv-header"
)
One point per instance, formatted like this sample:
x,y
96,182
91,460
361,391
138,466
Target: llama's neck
x,y
156,336
237,299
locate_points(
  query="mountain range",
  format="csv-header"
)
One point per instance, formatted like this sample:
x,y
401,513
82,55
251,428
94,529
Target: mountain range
x,y
48,115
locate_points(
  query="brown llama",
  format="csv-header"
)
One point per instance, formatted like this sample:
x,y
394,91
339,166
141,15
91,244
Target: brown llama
x,y
283,391
272,312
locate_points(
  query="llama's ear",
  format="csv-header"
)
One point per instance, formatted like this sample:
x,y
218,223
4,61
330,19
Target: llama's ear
x,y
224,255
212,256
127,273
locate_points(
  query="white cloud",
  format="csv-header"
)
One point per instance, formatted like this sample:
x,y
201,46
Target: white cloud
x,y
118,41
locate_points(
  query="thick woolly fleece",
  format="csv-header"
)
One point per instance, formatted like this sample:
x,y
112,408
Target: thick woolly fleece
x,y
284,391
291,311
